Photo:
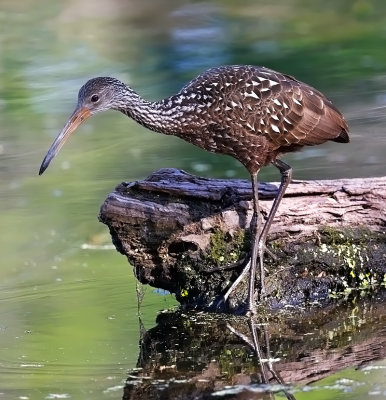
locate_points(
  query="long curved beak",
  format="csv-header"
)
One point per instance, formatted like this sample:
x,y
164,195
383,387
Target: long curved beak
x,y
78,116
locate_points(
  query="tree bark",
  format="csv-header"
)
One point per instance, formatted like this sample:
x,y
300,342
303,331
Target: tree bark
x,y
179,230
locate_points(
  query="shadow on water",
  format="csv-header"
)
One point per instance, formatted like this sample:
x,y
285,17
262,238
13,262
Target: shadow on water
x,y
202,356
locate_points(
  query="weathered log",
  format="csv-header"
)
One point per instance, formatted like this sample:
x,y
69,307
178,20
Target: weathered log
x,y
178,229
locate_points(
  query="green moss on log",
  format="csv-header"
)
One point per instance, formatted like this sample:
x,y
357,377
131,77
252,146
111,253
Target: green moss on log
x,y
225,248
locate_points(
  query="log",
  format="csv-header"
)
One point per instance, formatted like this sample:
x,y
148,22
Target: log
x,y
179,231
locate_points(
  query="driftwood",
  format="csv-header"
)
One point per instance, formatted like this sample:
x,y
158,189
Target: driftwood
x,y
177,230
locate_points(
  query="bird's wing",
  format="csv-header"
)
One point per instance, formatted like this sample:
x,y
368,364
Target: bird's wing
x,y
299,114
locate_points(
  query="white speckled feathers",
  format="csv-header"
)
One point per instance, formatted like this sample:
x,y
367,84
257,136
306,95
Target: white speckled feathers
x,y
263,102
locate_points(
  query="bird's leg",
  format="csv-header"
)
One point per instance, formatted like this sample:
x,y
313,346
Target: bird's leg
x,y
251,265
259,236
255,233
286,175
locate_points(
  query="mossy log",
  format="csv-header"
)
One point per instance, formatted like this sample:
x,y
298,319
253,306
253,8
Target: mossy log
x,y
180,230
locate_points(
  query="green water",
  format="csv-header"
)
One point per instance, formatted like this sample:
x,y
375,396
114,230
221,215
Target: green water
x,y
68,316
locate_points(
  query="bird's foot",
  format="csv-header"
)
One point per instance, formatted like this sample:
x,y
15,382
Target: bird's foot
x,y
239,263
237,281
250,309
234,265
221,303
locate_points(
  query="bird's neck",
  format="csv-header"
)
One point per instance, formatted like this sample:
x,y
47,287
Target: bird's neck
x,y
159,116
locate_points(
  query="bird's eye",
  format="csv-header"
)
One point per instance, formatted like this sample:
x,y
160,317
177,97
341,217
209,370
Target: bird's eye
x,y
94,98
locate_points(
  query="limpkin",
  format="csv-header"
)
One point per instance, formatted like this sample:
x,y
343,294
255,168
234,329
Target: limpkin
x,y
251,113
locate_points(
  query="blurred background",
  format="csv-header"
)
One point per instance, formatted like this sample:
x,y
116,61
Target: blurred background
x,y
68,316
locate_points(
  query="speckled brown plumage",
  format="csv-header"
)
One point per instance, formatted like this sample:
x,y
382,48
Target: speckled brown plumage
x,y
251,113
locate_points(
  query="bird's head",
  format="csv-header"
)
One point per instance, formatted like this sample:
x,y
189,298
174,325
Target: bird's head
x,y
98,94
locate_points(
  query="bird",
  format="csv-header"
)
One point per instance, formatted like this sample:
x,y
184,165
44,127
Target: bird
x,y
251,113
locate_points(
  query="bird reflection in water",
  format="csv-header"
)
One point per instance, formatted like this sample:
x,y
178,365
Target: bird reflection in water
x,y
264,362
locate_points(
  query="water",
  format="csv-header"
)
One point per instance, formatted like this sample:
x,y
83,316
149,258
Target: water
x,y
68,318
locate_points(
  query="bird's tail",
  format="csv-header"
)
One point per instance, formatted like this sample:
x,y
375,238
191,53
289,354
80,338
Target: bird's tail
x,y
337,116
343,137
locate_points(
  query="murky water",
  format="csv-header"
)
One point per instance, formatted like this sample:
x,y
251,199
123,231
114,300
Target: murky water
x,y
69,323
